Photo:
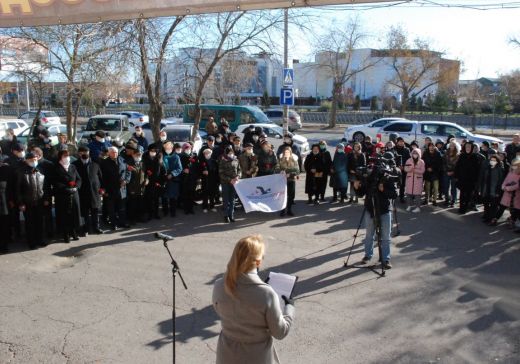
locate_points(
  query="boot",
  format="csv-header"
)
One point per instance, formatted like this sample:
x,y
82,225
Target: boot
x,y
66,238
351,200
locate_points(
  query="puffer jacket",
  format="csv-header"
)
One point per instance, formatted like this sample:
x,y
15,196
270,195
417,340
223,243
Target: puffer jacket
x,y
414,174
511,188
228,169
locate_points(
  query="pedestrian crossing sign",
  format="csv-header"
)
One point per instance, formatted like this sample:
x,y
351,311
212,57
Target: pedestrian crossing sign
x,y
288,77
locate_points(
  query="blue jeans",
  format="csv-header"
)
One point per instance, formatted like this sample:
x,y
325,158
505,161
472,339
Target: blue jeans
x,y
371,238
228,199
449,186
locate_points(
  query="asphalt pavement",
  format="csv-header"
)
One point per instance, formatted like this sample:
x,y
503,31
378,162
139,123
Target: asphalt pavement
x,y
453,295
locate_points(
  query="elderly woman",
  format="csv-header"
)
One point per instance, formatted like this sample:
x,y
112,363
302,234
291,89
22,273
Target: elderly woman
x,y
289,165
249,309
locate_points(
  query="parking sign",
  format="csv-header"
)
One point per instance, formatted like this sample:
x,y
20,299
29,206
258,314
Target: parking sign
x,y
287,96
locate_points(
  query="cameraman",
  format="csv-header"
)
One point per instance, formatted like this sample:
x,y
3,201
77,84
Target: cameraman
x,y
378,186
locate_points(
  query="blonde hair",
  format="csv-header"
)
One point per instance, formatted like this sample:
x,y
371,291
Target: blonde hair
x,y
247,251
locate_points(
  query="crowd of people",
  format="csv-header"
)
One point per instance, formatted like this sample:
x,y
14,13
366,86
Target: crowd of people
x,y
67,192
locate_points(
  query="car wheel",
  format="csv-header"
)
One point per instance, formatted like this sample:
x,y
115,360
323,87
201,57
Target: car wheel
x,y
359,137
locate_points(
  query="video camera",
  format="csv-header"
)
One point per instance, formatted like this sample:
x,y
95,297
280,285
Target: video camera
x,y
380,169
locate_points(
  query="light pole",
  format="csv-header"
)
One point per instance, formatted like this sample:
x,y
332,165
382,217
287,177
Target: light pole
x,y
285,63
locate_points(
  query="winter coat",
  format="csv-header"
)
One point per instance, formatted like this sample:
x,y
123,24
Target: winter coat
x,y
313,180
327,162
212,178
66,184
449,163
339,179
266,163
511,150
138,179
402,155
295,151
30,187
141,140
467,171
173,168
511,188
290,167
250,321
414,175
4,178
114,173
154,169
490,181
90,173
96,148
228,169
355,161
189,180
433,161
248,165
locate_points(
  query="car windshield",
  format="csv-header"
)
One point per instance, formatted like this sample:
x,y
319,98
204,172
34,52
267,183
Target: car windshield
x,y
103,124
178,135
259,115
50,114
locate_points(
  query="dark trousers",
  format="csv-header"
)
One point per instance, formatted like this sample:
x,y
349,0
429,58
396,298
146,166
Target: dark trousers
x,y
90,217
116,210
341,191
209,194
188,195
14,217
490,207
5,223
169,205
402,185
291,193
135,208
49,221
151,200
34,225
465,199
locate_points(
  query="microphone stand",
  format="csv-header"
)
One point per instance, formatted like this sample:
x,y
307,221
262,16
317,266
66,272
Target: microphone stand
x,y
175,270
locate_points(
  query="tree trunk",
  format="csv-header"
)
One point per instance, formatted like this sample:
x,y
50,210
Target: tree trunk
x,y
156,114
404,103
336,93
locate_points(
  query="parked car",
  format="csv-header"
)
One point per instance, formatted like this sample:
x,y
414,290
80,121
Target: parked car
x,y
135,117
18,125
234,114
179,134
358,133
275,131
54,130
115,126
411,130
276,116
46,117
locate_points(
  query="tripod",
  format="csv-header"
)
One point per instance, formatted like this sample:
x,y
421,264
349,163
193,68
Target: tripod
x,y
377,224
175,269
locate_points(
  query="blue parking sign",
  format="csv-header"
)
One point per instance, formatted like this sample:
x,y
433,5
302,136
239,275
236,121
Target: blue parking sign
x,y
287,96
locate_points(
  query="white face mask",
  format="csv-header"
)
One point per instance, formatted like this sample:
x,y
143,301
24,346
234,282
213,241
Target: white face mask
x,y
153,154
101,140
65,161
33,163
188,151
378,150
163,138
178,151
137,159
287,141
168,150
493,163
207,156
20,154
255,137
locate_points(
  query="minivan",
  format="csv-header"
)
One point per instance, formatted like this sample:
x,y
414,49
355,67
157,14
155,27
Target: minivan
x,y
234,114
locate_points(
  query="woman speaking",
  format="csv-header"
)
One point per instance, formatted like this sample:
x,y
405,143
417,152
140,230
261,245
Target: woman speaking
x,y
249,309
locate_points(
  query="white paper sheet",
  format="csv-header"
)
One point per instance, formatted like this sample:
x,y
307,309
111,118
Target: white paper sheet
x,y
282,284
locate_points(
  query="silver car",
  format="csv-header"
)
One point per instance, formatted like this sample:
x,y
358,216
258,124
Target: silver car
x,y
276,116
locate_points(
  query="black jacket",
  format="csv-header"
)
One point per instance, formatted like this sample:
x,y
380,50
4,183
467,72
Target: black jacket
x,y
113,173
90,174
467,171
403,154
66,185
433,161
30,186
374,195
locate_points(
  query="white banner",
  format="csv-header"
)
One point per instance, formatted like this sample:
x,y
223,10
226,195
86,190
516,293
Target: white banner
x,y
47,12
265,194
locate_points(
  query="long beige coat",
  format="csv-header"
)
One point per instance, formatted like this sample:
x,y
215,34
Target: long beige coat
x,y
250,321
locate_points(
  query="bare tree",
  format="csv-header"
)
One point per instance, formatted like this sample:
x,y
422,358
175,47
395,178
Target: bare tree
x,y
213,37
515,41
511,85
336,55
153,39
74,51
416,67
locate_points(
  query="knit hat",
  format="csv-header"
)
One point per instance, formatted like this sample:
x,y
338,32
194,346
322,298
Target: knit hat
x,y
186,146
340,146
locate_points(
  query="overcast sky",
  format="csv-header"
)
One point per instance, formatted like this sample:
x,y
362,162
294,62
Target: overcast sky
x,y
478,38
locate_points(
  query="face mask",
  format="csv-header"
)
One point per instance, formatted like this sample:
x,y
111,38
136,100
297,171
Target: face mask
x,y
207,156
187,151
315,152
20,154
493,163
138,133
378,150
178,151
101,140
415,156
255,137
249,151
152,154
341,151
163,138
46,140
168,150
137,159
84,156
287,141
218,140
230,156
8,137
33,164
322,147
65,161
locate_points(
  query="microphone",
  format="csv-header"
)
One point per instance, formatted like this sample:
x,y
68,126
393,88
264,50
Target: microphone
x,y
163,236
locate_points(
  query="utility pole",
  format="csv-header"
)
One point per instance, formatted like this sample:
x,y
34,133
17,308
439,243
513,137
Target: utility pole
x,y
285,64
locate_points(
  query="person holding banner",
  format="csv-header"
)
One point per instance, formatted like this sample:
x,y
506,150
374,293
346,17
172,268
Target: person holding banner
x,y
267,160
289,166
249,309
229,171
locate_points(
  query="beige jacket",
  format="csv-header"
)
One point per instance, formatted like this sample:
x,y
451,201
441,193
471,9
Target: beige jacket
x,y
250,321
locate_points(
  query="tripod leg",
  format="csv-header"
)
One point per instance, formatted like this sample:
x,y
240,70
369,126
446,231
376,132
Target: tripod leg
x,y
173,315
345,263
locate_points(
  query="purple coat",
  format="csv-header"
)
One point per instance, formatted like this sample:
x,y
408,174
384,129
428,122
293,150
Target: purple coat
x,y
414,175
